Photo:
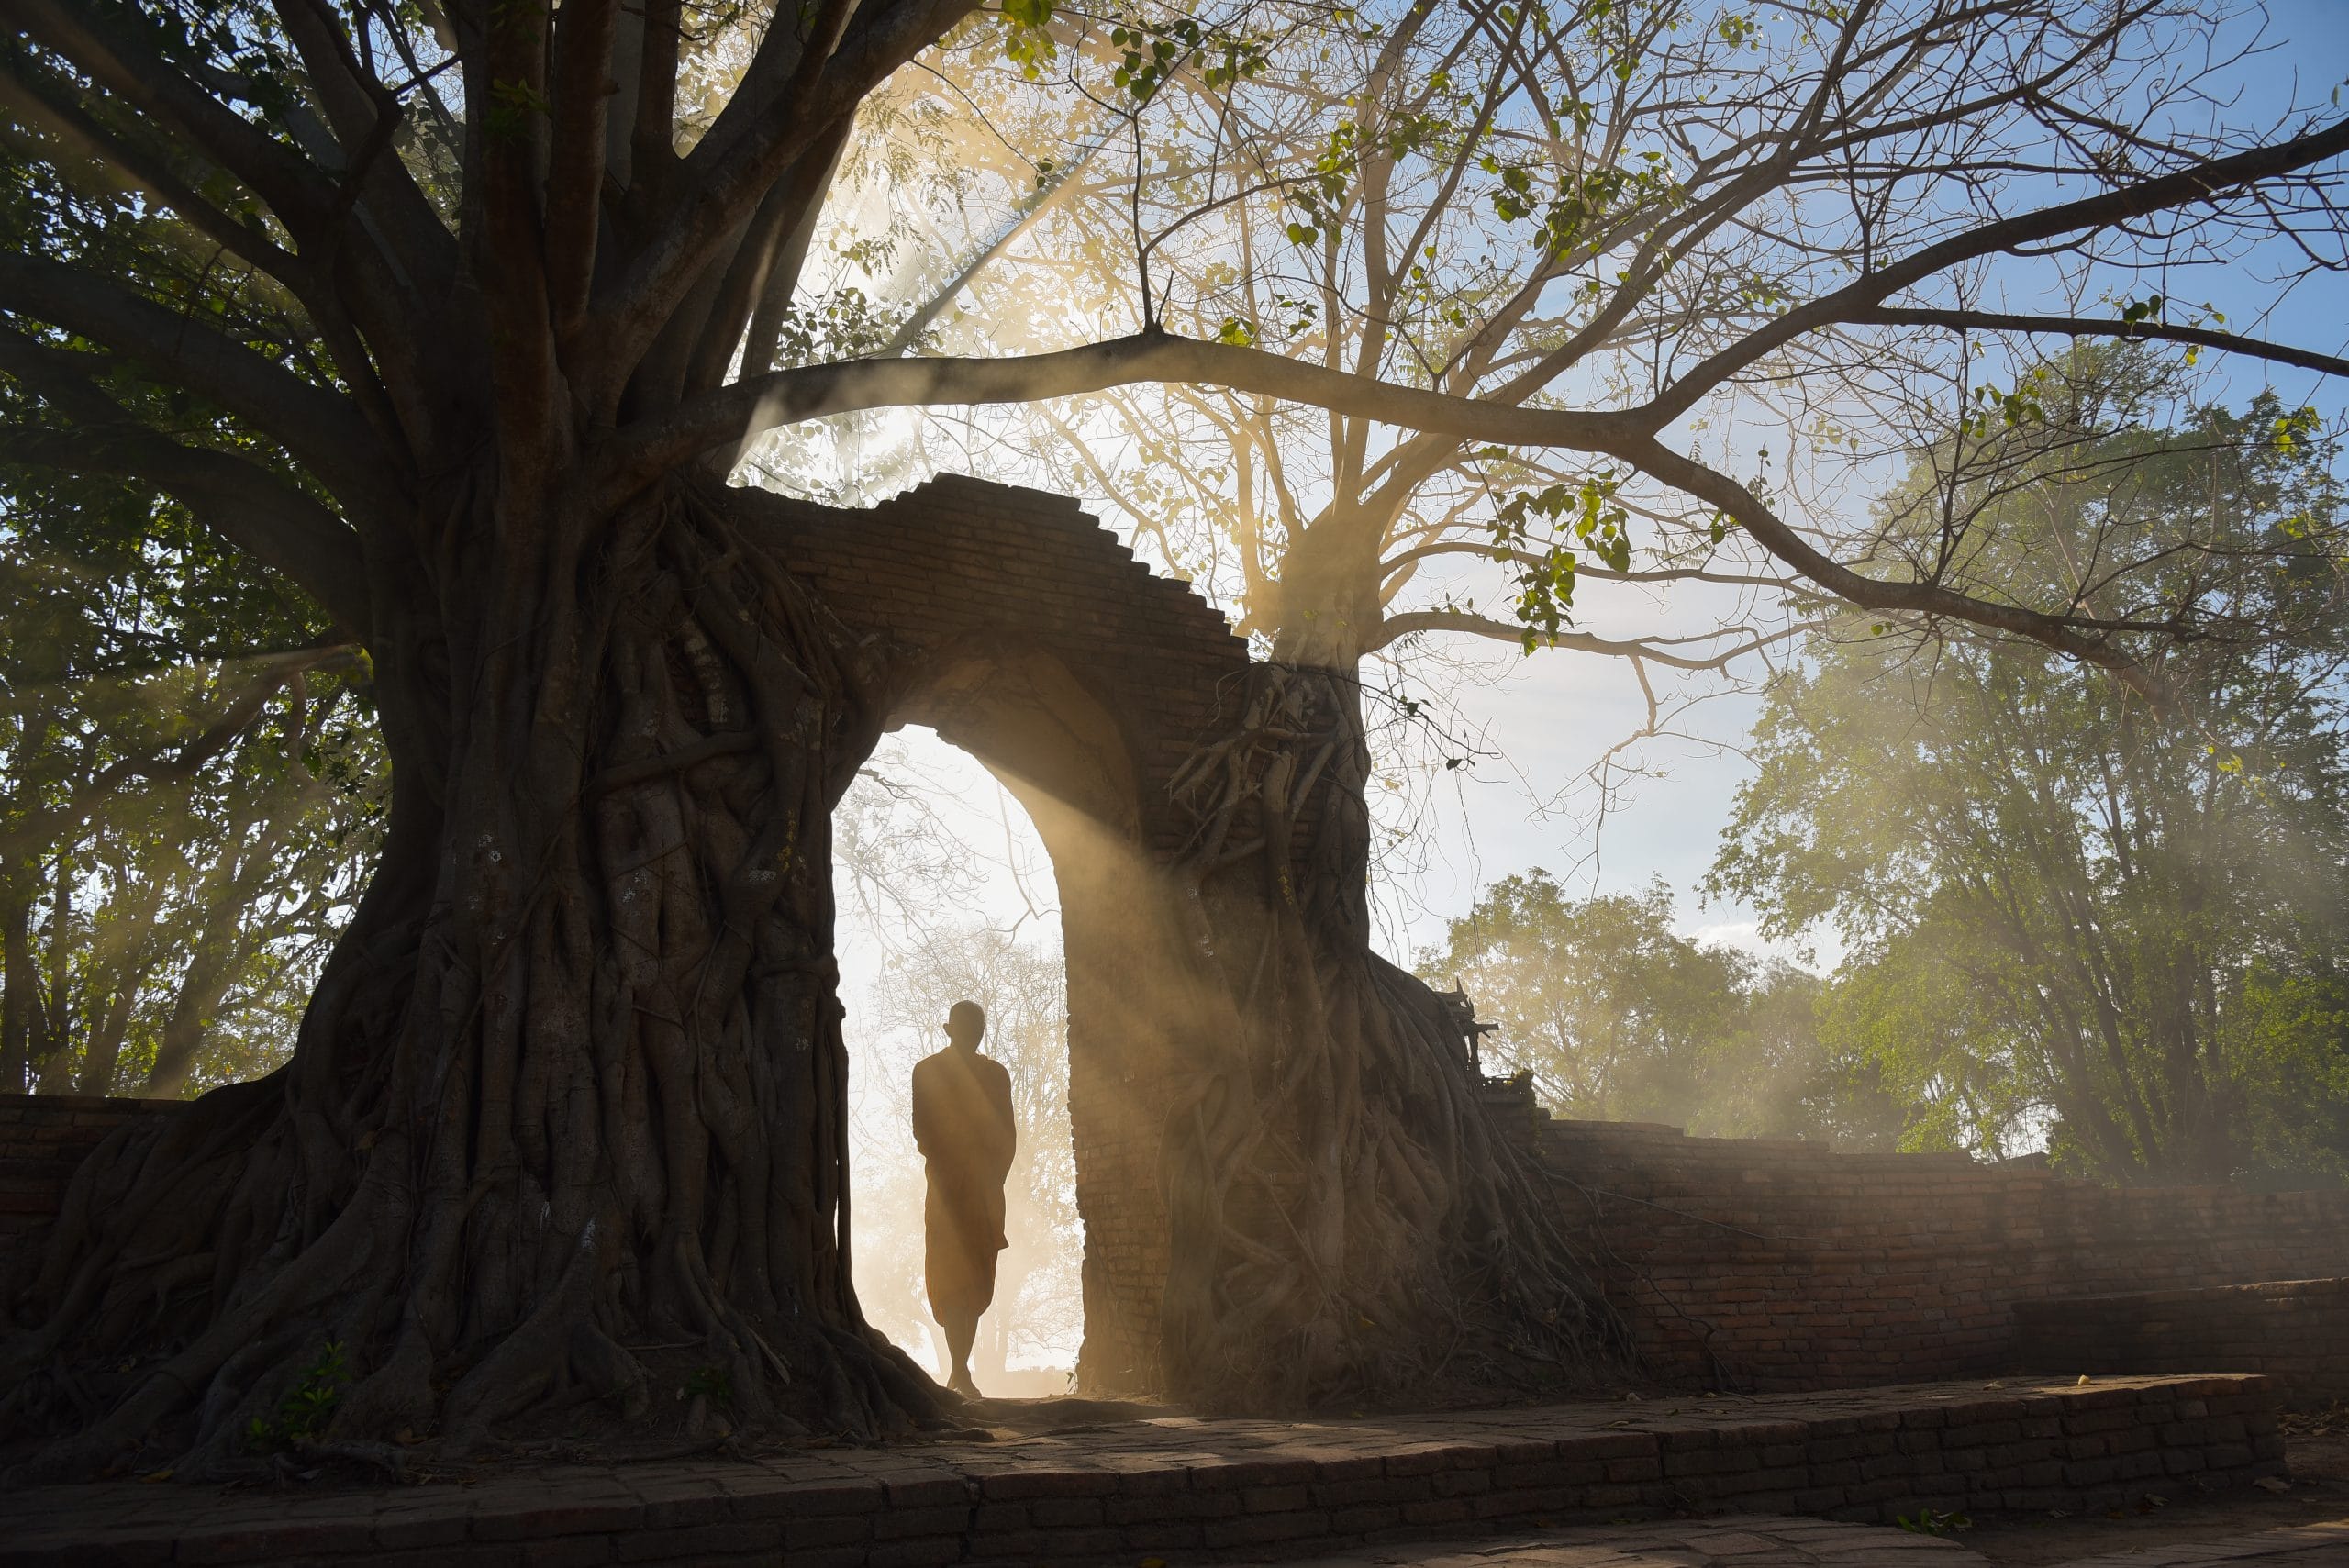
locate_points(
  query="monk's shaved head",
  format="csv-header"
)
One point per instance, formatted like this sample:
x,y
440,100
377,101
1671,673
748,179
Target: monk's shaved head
x,y
966,1023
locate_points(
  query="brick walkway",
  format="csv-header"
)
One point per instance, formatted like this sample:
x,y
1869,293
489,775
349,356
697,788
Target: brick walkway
x,y
1180,1488
2322,1545
1765,1541
1742,1541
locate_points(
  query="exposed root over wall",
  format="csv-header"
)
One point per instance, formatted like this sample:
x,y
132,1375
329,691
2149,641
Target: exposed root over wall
x,y
1347,1223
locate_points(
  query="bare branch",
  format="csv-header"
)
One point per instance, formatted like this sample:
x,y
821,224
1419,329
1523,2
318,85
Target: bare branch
x,y
2081,636
1658,650
644,450
2104,210
1417,553
2074,327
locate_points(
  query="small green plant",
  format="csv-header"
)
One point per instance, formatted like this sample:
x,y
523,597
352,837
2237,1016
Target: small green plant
x,y
712,1383
303,1414
1930,1521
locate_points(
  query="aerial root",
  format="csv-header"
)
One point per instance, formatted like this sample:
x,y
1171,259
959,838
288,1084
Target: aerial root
x,y
1337,1183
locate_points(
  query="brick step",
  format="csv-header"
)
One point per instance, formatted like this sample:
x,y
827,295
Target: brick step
x,y
1190,1490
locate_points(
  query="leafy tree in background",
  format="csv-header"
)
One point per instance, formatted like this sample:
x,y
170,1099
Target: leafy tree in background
x,y
1617,1018
2065,909
190,793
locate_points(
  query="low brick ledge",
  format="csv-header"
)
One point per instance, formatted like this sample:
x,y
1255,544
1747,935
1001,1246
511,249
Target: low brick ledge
x,y
2294,1332
1182,1488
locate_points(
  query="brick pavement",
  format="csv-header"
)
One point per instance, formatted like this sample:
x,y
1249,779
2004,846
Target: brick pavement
x,y
2324,1545
1739,1541
1180,1487
1770,1542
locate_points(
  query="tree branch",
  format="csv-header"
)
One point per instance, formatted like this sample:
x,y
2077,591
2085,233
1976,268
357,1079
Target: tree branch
x,y
722,185
125,67
277,525
46,99
2075,327
644,450
2140,200
2081,637
1395,627
1417,553
364,116
323,432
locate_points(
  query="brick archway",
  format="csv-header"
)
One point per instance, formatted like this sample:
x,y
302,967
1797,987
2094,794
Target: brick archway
x,y
1023,632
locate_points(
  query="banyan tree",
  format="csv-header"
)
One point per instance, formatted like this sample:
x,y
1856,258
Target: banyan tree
x,y
455,315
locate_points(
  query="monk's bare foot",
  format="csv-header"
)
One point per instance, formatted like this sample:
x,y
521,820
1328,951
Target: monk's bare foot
x,y
960,1383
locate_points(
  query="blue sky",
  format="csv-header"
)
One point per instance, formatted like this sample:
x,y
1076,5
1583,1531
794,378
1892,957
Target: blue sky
x,y
1554,714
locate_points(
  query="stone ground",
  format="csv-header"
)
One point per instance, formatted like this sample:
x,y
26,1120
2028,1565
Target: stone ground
x,y
1770,1542
2306,1526
1681,1482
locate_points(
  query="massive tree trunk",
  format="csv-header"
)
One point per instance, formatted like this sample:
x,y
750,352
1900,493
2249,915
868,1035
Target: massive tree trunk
x,y
1346,1223
564,1130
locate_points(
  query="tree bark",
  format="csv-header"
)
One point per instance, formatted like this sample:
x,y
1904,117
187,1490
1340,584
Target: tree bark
x,y
1346,1222
566,1123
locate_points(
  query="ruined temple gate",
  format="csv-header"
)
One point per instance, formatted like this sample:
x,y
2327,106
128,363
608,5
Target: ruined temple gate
x,y
1023,632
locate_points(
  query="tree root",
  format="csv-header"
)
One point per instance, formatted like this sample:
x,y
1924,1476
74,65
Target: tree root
x,y
1346,1222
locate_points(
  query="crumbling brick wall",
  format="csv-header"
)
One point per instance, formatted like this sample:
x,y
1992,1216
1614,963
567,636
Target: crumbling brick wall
x,y
2294,1331
1769,1264
1028,634
43,1139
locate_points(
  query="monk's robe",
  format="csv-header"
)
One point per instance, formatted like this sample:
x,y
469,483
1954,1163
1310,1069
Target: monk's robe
x,y
963,1124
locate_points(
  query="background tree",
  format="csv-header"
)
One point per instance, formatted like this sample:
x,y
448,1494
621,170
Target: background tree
x,y
2066,910
1617,1018
189,799
454,317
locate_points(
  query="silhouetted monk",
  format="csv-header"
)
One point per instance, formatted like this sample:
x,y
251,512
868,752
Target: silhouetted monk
x,y
962,1125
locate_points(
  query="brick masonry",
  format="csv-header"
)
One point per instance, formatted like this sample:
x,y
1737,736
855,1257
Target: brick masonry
x,y
1754,1263
1025,633
42,1138
1182,1489
2294,1331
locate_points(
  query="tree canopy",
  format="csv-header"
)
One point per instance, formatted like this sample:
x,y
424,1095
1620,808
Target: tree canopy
x,y
2066,912
1615,1017
1519,232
